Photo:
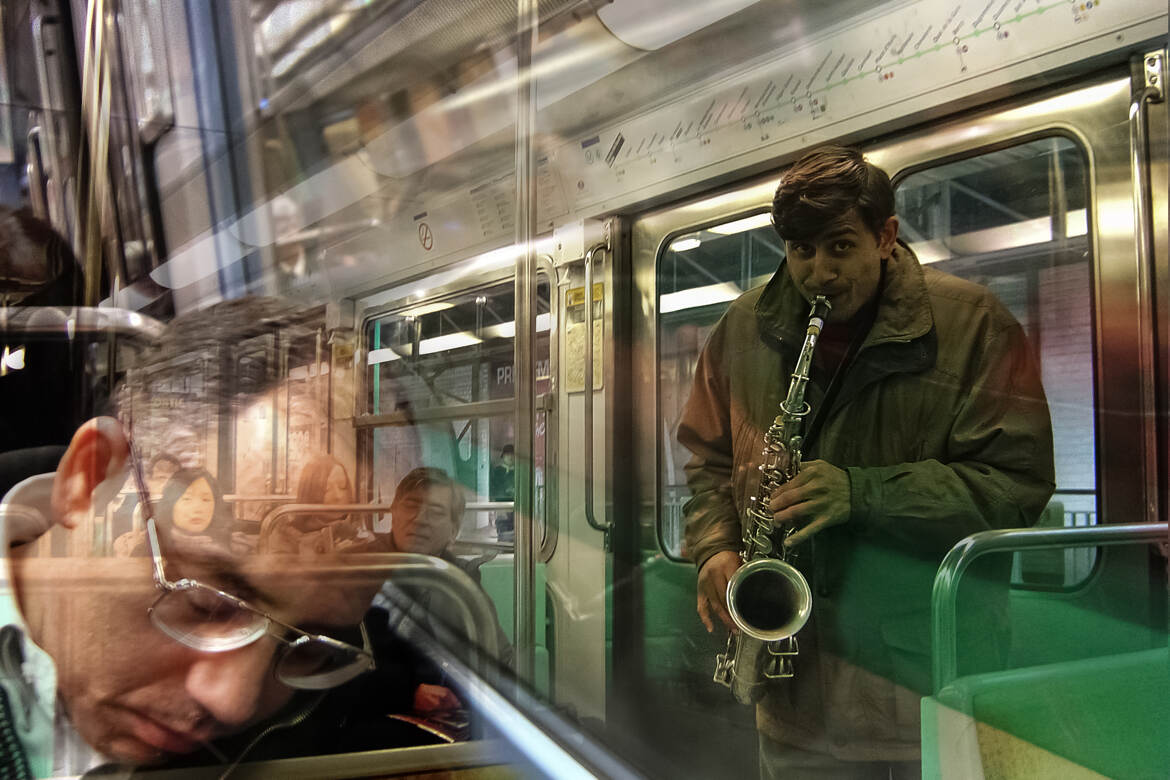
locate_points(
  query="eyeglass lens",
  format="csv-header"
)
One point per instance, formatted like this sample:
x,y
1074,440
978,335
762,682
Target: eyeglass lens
x,y
200,618
316,663
203,619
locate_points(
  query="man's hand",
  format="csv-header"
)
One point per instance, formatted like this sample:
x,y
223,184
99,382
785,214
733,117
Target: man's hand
x,y
431,699
816,499
712,588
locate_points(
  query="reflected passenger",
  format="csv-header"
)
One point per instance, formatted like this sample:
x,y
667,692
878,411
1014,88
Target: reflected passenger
x,y
191,508
37,268
324,480
928,423
190,654
503,488
425,513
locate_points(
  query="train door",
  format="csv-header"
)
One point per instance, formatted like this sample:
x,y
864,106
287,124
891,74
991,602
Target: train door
x,y
1034,200
437,391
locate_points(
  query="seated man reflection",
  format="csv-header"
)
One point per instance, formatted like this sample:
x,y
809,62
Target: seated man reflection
x,y
191,653
425,516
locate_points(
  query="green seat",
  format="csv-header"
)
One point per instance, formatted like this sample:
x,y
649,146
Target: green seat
x,y
497,578
1109,715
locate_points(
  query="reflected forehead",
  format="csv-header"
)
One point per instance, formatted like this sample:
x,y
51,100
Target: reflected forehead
x,y
330,589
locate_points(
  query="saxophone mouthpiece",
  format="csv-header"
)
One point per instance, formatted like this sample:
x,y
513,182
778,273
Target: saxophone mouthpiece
x,y
820,312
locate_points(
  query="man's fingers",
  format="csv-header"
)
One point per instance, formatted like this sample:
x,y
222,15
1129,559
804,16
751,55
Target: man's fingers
x,y
785,497
725,616
713,608
805,533
703,615
792,517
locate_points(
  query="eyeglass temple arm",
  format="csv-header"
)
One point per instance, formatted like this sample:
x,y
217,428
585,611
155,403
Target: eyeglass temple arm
x,y
146,504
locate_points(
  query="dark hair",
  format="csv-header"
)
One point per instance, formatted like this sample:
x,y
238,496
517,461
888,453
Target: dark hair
x,y
220,529
315,476
162,457
507,449
213,332
311,489
32,249
425,477
826,184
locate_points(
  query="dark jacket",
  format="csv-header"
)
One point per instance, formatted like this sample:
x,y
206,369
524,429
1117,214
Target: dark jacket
x,y
942,426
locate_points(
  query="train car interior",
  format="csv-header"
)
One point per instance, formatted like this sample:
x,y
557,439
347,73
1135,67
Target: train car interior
x,y
475,260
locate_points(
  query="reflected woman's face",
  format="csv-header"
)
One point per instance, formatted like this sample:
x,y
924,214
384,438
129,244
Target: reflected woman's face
x,y
337,487
195,508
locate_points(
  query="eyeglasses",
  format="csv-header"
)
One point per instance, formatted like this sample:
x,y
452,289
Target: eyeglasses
x,y
208,619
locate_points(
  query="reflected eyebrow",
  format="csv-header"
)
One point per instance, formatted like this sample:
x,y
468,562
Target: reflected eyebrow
x,y
224,568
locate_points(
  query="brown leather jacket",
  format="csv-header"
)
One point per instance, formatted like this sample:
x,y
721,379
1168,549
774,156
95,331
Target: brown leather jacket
x,y
942,426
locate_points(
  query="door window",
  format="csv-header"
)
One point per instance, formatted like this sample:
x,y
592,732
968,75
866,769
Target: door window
x,y
1014,220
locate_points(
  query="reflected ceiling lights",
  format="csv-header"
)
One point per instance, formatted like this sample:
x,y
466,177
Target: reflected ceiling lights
x,y
698,296
427,308
741,225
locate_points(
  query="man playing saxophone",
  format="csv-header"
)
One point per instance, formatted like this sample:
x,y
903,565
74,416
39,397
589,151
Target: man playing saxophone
x,y
927,423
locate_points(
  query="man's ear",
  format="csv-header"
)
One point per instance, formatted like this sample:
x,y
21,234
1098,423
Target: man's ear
x,y
888,237
97,452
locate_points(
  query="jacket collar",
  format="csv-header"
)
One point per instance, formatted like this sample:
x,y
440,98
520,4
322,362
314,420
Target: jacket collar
x,y
903,314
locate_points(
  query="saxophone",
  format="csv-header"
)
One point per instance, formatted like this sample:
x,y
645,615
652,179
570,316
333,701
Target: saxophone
x,y
769,600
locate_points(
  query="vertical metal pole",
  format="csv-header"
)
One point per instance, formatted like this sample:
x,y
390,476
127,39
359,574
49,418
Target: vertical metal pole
x,y
523,372
1151,91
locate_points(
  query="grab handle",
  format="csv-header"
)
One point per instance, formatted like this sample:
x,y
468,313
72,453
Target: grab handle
x,y
962,555
1150,92
590,516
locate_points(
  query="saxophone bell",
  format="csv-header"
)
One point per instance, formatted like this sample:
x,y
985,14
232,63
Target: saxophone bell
x,y
769,599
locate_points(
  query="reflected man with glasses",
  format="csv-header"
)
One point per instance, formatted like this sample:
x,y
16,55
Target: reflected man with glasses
x,y
189,648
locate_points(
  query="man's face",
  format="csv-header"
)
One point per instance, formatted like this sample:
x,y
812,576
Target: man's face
x,y
842,262
422,521
131,692
137,695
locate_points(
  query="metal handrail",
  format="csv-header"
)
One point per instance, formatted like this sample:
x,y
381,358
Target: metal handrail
x,y
68,321
962,555
287,510
590,516
1151,92
241,498
490,506
35,170
437,576
547,403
